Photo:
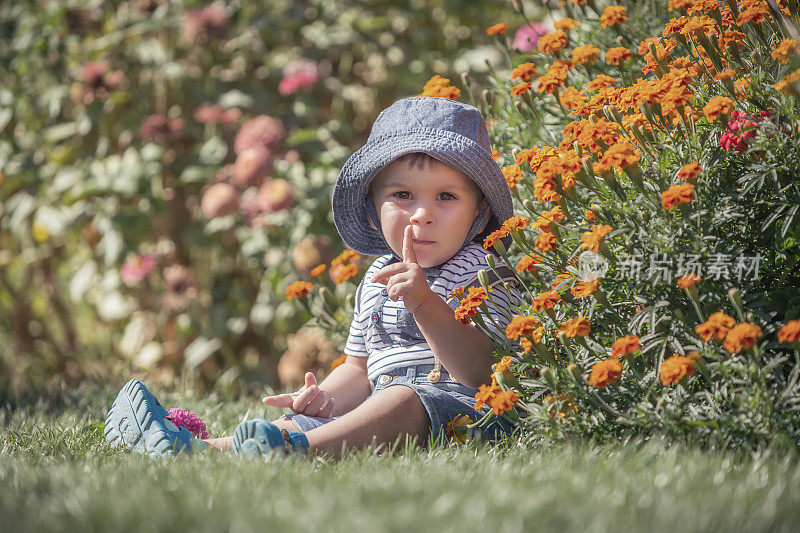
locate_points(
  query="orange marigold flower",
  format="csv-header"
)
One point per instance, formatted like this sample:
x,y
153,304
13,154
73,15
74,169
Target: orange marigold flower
x,y
522,326
549,84
680,4
620,155
585,288
689,171
456,429
688,280
513,175
497,29
552,42
515,223
475,296
458,292
677,194
784,50
754,13
524,71
590,216
546,300
566,24
790,332
346,256
298,289
719,105
576,327
317,270
338,361
618,54
625,345
463,314
584,55
741,337
503,401
486,393
605,373
716,326
546,241
440,87
520,88
496,235
725,74
572,98
786,83
504,364
601,82
526,344
495,154
675,368
528,263
613,15
342,273
591,240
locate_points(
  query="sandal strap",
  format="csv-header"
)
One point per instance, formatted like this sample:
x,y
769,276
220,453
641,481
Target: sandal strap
x,y
297,440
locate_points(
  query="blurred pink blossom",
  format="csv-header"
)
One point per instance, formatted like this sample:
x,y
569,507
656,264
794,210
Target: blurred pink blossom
x,y
98,82
299,73
205,24
160,129
136,267
219,200
275,195
263,132
252,167
189,420
216,114
527,37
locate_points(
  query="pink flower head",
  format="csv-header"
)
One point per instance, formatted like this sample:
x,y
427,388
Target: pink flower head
x,y
190,421
136,267
93,72
527,37
205,24
261,132
299,73
740,130
216,114
160,129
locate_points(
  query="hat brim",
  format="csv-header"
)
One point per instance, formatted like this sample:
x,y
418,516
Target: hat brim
x,y
350,193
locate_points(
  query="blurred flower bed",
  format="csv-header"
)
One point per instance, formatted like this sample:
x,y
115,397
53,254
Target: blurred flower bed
x,y
166,169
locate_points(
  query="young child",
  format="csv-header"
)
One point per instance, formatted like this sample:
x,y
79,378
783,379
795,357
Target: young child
x,y
420,194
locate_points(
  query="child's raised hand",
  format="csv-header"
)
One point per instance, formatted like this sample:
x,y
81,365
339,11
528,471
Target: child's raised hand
x,y
405,281
309,400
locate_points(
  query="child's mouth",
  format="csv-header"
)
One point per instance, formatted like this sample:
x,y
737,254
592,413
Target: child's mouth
x,y
417,241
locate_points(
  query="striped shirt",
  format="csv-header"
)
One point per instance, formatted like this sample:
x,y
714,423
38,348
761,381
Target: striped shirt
x,y
387,334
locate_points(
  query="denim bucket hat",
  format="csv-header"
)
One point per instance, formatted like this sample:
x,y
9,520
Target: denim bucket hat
x,y
450,131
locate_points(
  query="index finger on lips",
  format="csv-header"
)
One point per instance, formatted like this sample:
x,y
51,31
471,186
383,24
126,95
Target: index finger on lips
x,y
409,255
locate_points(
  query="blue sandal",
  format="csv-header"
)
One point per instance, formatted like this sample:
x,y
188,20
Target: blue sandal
x,y
260,438
137,420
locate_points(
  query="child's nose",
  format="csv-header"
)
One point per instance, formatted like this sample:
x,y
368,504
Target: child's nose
x,y
422,216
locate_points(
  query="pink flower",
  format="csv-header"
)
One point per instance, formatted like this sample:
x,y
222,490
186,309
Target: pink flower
x,y
205,24
527,37
740,129
160,129
252,167
298,74
220,200
190,421
275,195
261,132
136,267
216,114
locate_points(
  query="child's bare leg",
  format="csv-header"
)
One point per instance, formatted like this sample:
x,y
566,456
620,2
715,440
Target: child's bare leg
x,y
392,412
223,444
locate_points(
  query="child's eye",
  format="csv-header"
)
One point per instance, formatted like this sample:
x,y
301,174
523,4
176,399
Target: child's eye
x,y
402,195
447,196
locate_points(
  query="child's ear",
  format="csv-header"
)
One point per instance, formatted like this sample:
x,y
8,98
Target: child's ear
x,y
483,204
371,223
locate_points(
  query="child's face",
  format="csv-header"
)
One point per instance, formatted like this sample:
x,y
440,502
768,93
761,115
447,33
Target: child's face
x,y
439,202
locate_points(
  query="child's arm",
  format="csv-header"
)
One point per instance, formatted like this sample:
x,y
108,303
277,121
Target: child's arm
x,y
346,387
463,349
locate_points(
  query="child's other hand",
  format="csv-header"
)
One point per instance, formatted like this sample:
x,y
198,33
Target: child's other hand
x,y
309,400
406,281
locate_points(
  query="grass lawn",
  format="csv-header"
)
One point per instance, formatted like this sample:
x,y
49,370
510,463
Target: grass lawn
x,y
57,474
